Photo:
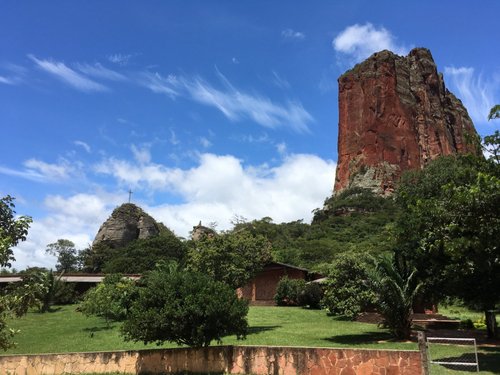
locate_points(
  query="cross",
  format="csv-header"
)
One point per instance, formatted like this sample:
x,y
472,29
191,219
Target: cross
x,y
129,195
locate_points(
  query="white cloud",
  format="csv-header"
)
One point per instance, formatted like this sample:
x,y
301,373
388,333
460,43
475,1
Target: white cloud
x,y
281,148
40,171
76,218
99,71
205,142
27,174
54,172
292,34
84,145
357,42
477,94
119,58
221,186
141,154
173,138
216,189
68,75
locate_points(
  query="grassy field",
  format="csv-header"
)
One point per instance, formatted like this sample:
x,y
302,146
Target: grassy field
x,y
65,330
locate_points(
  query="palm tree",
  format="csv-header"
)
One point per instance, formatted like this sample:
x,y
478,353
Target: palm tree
x,y
396,289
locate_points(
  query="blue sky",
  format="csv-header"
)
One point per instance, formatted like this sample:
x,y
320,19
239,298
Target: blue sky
x,y
207,110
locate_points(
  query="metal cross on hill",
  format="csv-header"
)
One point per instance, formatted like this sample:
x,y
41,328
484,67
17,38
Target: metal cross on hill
x,y
129,195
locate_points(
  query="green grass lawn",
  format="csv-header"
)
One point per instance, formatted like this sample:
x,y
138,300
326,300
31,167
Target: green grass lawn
x,y
65,330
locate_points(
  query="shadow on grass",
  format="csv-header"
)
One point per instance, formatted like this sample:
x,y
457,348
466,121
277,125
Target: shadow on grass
x,y
259,329
362,338
488,358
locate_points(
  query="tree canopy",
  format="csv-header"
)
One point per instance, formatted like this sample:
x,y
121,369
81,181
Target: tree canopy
x,y
450,227
187,308
233,258
12,230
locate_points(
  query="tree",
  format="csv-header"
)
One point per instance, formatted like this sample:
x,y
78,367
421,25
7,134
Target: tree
x,y
187,308
494,112
143,254
233,258
395,287
347,291
450,228
288,291
110,299
138,256
12,230
67,255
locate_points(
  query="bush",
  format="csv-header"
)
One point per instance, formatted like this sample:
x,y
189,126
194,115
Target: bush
x,y
110,299
64,293
347,292
311,296
187,308
288,291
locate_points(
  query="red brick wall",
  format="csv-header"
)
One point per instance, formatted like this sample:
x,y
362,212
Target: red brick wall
x,y
263,286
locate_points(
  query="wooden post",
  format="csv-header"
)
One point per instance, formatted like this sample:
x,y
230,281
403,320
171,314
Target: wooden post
x,y
424,355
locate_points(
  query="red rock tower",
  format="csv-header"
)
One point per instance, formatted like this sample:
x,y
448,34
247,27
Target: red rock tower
x,y
395,114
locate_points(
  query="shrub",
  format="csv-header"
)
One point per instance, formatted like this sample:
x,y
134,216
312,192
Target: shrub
x,y
110,299
288,291
347,292
187,308
311,296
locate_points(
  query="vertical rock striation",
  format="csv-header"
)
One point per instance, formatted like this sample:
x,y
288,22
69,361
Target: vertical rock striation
x,y
395,114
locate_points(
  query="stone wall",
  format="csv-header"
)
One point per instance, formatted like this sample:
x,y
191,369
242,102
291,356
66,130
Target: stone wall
x,y
221,359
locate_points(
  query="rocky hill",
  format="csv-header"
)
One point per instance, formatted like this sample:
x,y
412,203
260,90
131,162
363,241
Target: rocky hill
x,y
395,114
127,222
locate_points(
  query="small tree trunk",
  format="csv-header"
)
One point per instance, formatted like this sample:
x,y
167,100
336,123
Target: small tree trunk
x,y
491,324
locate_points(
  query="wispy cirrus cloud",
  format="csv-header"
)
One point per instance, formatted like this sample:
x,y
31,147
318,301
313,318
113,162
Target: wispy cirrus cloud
x,y
477,94
7,80
234,103
292,34
357,42
98,71
83,145
279,81
159,84
68,76
120,58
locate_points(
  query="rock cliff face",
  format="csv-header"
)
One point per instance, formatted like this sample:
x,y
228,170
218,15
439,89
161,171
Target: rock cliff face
x,y
395,114
127,223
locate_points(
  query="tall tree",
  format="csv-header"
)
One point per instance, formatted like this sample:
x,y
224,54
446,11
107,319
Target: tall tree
x,y
66,253
450,229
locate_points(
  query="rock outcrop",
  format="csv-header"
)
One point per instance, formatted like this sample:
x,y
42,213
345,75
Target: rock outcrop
x,y
395,114
128,222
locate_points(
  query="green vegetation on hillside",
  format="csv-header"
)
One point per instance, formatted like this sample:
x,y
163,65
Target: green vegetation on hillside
x,y
355,220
